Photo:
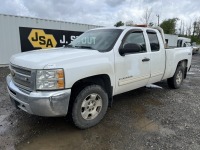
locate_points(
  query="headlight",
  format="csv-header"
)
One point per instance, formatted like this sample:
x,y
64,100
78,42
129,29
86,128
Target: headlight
x,y
50,79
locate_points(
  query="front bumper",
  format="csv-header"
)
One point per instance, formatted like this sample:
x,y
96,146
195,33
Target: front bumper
x,y
41,103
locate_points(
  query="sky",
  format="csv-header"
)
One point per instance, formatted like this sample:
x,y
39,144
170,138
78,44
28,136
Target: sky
x,y
102,12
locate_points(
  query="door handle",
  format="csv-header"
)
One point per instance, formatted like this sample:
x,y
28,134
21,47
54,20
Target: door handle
x,y
145,59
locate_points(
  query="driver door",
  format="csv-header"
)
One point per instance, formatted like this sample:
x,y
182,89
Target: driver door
x,y
132,69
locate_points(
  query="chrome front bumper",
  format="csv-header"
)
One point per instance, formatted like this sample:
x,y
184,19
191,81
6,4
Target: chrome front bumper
x,y
41,103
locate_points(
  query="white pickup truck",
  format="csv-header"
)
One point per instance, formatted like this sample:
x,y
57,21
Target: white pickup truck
x,y
82,78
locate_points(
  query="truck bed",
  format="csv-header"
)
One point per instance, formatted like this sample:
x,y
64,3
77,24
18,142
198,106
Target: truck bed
x,y
173,57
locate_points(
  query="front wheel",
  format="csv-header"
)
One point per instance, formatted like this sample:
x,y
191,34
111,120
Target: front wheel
x,y
176,81
89,107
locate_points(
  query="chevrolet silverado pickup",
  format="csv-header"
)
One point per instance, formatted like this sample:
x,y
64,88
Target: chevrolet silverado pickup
x,y
81,79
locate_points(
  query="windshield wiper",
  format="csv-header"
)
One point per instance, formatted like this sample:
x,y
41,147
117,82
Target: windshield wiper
x,y
69,46
81,46
87,47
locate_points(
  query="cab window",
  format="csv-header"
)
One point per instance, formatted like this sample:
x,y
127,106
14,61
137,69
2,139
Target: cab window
x,y
136,38
153,39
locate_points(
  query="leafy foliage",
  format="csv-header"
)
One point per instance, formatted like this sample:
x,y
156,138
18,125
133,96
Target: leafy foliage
x,y
195,39
119,23
169,25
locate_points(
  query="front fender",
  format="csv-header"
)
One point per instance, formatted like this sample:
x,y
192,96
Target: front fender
x,y
103,64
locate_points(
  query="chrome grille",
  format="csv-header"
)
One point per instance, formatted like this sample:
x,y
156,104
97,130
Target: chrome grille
x,y
21,77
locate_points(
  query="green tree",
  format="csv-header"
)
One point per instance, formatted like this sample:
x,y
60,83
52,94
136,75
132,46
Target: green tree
x,y
169,25
195,38
119,23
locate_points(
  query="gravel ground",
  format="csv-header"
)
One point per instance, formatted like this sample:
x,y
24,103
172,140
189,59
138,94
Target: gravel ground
x,y
146,118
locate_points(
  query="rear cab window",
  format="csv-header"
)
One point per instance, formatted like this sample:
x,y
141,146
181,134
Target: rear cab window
x,y
153,40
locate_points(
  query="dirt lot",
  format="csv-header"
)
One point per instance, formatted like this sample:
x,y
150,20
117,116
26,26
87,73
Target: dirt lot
x,y
146,118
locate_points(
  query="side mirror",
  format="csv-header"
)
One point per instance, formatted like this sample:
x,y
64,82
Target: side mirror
x,y
130,48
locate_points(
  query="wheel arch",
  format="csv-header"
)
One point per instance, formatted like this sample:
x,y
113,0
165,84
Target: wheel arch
x,y
183,63
103,80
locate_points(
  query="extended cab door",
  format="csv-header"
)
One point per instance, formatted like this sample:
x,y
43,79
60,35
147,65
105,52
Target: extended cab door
x,y
132,69
157,56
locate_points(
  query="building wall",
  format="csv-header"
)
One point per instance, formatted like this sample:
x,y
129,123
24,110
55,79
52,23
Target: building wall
x,y
10,37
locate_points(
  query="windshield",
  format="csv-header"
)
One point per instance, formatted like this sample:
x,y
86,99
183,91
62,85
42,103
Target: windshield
x,y
101,40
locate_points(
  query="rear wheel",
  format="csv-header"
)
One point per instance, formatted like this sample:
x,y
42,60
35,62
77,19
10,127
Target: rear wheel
x,y
90,106
176,81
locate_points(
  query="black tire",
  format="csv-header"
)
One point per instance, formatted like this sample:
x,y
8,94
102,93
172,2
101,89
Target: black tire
x,y
81,99
172,82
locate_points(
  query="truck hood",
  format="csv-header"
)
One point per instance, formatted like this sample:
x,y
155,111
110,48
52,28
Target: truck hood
x,y
51,58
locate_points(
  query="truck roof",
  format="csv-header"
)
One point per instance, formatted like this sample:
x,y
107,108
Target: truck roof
x,y
159,29
125,27
184,38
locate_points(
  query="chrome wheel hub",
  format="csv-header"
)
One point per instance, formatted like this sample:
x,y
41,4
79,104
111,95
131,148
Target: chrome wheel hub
x,y
91,106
